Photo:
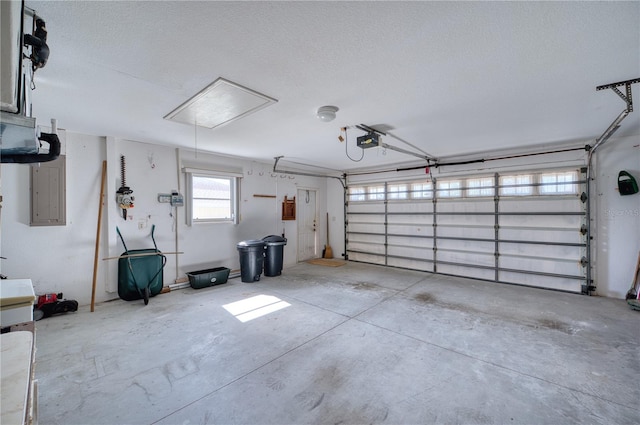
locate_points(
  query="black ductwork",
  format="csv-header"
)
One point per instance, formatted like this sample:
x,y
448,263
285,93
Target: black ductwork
x,y
54,152
19,139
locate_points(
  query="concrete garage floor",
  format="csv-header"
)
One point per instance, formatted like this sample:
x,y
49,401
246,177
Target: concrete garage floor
x,y
356,344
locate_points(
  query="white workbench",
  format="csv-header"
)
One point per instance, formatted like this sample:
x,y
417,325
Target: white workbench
x,y
18,395
16,301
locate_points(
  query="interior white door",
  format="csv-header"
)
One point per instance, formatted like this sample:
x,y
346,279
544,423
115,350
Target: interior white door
x,y
307,224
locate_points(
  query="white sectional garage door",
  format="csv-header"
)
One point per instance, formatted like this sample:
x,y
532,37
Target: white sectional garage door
x,y
526,228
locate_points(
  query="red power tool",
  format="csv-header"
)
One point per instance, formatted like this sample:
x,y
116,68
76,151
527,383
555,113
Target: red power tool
x,y
50,304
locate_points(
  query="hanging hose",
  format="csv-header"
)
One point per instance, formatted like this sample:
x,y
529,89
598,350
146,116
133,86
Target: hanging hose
x,y
346,144
54,152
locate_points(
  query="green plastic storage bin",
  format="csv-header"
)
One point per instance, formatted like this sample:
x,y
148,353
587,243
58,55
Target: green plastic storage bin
x,y
209,277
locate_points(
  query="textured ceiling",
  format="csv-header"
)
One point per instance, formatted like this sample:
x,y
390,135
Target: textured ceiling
x,y
448,77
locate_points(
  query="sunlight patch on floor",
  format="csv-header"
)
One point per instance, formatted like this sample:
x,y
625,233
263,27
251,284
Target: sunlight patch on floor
x,y
254,307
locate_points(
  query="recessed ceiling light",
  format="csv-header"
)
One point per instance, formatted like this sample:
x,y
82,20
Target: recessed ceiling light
x,y
327,113
219,103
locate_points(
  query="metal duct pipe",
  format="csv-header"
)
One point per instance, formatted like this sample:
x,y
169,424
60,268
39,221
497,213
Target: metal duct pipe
x,y
299,173
54,152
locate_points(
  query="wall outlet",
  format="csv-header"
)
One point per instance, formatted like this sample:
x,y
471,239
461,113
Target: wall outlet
x,y
164,197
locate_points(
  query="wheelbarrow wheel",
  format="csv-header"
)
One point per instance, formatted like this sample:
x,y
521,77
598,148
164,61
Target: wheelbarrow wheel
x,y
146,295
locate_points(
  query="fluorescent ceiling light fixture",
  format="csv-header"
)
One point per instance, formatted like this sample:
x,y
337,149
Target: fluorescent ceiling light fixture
x,y
219,103
254,307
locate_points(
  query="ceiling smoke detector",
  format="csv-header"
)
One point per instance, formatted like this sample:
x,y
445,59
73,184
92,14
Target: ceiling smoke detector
x,y
327,113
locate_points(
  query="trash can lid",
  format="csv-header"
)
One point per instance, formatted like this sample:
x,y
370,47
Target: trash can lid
x,y
274,240
250,243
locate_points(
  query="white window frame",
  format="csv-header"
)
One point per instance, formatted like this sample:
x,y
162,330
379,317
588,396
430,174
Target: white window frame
x,y
422,190
480,187
519,185
562,184
398,191
375,193
357,193
449,188
234,179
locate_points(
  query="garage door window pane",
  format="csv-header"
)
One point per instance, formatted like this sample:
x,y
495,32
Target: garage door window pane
x,y
397,191
356,194
422,190
561,183
376,193
480,187
516,185
449,189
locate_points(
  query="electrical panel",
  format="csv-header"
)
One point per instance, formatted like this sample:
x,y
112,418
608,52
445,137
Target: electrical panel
x,y
48,193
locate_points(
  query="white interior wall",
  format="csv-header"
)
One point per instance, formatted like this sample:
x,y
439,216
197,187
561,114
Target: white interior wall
x,y
617,217
335,207
60,259
56,258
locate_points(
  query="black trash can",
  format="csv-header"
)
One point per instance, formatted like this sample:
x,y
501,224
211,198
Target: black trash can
x,y
251,259
273,258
